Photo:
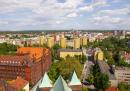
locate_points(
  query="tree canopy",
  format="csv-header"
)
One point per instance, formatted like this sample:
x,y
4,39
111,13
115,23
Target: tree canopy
x,y
65,67
7,48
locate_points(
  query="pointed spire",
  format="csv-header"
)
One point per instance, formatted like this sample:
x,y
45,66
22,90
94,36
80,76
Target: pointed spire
x,y
60,85
74,80
46,82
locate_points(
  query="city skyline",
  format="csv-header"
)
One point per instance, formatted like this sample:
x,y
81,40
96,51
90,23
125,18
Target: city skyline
x,y
64,14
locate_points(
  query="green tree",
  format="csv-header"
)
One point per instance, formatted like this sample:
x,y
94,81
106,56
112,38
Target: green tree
x,y
90,78
122,87
53,72
84,58
84,89
103,79
66,67
22,90
54,51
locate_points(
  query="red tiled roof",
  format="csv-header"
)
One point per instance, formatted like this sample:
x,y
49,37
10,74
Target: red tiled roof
x,y
127,56
112,89
19,83
18,58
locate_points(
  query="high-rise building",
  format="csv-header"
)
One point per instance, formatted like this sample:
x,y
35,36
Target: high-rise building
x,y
41,40
50,42
63,42
84,41
98,55
76,43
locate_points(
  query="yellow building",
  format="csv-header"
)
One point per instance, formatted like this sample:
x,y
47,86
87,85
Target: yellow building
x,y
76,43
41,40
84,41
99,55
71,52
63,42
50,42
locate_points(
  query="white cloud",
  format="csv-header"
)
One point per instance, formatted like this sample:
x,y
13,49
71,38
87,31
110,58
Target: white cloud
x,y
59,22
50,13
123,11
99,3
3,22
86,8
72,15
106,19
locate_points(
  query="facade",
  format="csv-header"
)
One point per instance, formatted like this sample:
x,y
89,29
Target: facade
x,y
63,42
63,53
29,63
50,42
122,74
76,43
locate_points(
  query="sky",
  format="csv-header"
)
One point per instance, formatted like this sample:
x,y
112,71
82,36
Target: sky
x,y
64,14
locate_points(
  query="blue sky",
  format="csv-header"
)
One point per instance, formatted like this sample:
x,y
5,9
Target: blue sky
x,y
64,14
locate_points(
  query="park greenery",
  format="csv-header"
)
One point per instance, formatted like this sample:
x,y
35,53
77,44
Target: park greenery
x,y
65,67
98,79
7,48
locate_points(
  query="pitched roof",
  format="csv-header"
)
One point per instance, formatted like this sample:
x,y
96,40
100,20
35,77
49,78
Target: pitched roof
x,y
60,85
46,82
19,83
74,80
112,89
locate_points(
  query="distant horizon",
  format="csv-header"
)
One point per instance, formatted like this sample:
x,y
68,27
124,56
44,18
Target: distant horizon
x,y
62,30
